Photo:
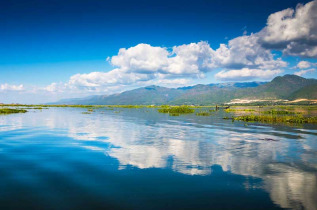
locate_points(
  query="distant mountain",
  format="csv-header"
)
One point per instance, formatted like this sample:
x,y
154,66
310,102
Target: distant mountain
x,y
146,95
76,100
282,87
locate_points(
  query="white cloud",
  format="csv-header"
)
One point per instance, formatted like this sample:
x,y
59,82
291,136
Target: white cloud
x,y
5,87
245,59
111,78
303,72
55,87
190,59
246,52
142,58
303,65
302,50
293,31
246,74
144,64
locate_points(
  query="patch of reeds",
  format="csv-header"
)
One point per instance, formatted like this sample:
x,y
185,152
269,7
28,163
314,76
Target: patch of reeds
x,y
12,111
203,113
239,110
177,110
86,112
174,114
277,112
297,119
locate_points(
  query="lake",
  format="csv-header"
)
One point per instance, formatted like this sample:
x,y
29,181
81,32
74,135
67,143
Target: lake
x,y
60,158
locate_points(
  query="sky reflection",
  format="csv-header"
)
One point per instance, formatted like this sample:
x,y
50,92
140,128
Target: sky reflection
x,y
284,158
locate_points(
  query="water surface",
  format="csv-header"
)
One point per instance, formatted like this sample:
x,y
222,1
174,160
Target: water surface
x,y
59,158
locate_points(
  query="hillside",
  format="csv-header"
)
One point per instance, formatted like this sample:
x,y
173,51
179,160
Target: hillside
x,y
282,87
309,92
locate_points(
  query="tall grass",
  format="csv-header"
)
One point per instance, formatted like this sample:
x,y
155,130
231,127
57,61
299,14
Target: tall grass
x,y
203,113
239,110
12,111
177,110
277,119
277,112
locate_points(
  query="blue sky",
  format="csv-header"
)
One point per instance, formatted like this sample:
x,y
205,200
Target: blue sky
x,y
43,44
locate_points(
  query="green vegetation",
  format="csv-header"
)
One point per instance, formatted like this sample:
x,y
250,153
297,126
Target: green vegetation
x,y
309,91
235,108
277,119
35,108
128,106
174,114
86,112
277,112
177,110
12,111
203,113
239,110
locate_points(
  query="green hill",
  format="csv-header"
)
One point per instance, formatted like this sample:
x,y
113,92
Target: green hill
x,y
309,92
282,87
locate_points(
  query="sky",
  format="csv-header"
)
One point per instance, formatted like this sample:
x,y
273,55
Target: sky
x,y
57,49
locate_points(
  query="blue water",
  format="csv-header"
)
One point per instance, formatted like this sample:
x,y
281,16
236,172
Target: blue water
x,y
59,158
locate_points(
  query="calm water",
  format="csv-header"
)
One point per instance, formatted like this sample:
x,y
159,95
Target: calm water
x,y
59,158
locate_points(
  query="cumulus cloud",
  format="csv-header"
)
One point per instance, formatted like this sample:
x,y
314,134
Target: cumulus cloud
x,y
143,64
194,58
190,59
293,31
246,74
142,58
303,65
246,52
302,50
303,72
245,59
7,87
56,87
114,77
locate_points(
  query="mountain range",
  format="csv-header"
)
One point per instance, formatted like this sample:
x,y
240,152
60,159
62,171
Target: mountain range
x,y
287,87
